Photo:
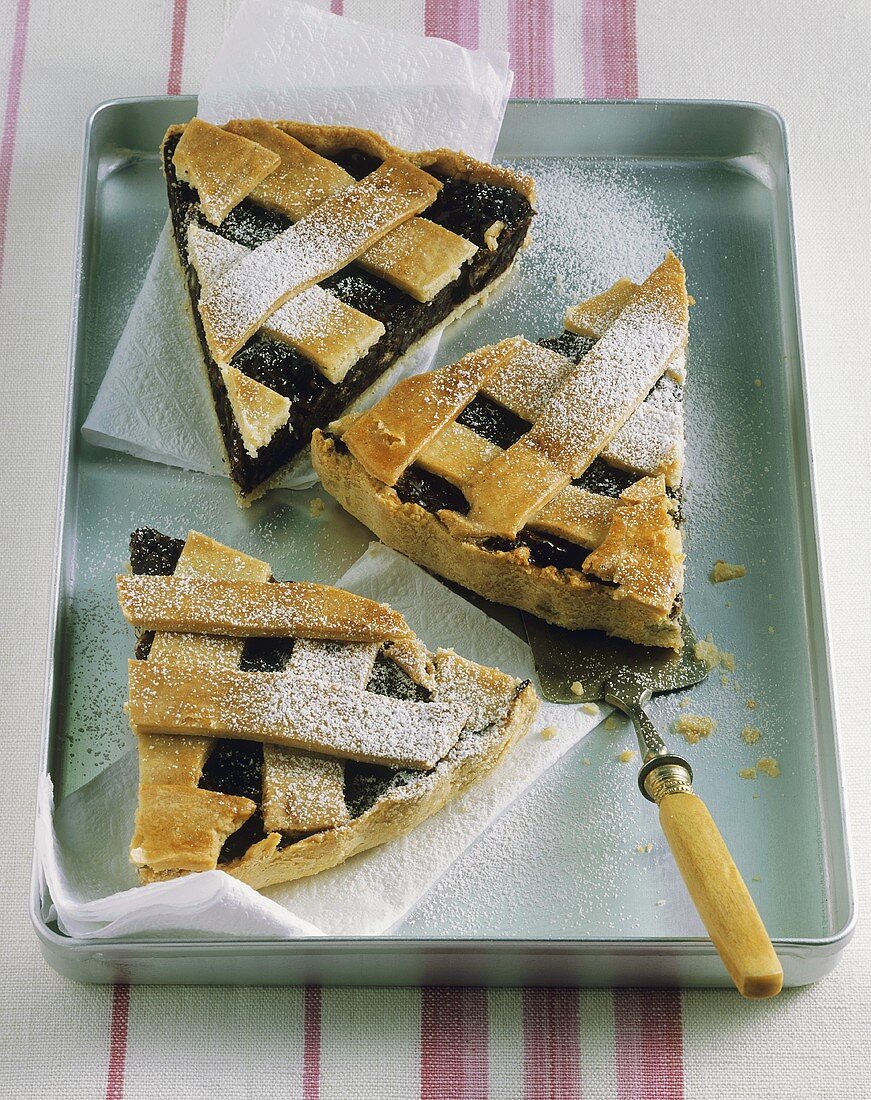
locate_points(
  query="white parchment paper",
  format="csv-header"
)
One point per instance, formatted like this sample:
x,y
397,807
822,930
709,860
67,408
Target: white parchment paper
x,y
83,845
287,60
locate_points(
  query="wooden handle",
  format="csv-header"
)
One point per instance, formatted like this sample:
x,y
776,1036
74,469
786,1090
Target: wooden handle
x,y
720,895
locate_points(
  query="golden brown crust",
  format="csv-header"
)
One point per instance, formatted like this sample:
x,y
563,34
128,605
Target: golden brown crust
x,y
183,828
259,410
565,597
338,231
179,761
642,553
593,403
273,707
223,168
387,438
395,813
252,609
474,713
330,140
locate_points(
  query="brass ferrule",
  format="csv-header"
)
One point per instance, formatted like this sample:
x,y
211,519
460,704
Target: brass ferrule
x,y
667,779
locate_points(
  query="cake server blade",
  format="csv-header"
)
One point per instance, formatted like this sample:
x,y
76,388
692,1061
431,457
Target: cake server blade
x,y
578,666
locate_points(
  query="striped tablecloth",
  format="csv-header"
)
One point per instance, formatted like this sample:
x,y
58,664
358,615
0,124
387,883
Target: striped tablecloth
x,y
57,59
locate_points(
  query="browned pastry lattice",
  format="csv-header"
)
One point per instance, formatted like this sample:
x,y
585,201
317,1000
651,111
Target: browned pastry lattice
x,y
284,727
540,475
311,270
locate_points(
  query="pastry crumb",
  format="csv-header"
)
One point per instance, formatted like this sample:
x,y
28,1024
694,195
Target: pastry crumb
x,y
694,727
683,704
751,704
611,722
577,688
756,878
491,235
757,381
709,652
750,735
756,795
645,849
627,756
769,766
316,507
726,571
589,708
586,760
771,630
548,733
747,773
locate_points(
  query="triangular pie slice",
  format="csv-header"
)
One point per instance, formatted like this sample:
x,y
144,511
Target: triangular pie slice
x,y
283,727
316,257
546,476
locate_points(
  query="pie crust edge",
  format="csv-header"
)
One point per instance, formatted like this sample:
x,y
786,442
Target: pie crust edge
x,y
395,813
564,597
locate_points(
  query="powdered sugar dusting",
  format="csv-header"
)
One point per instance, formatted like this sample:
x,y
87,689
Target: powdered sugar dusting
x,y
617,374
331,333
290,609
283,709
330,237
651,440
595,224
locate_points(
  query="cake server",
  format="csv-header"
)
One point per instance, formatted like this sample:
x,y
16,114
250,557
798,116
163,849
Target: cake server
x,y
605,669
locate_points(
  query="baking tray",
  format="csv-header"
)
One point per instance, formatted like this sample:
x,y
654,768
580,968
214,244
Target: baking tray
x,y
574,901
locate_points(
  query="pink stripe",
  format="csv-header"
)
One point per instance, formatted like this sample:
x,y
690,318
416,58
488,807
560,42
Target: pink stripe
x,y
530,43
610,49
456,20
454,1044
311,1049
10,117
649,1041
551,1048
118,1042
176,48
337,7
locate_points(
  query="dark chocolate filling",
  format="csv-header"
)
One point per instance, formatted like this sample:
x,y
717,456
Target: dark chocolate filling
x,y
464,207
236,767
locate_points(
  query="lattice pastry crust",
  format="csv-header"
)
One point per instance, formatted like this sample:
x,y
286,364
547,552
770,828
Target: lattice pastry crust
x,y
193,698
273,210
522,522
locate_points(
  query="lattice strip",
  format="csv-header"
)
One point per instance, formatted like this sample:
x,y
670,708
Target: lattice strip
x,y
388,438
330,237
651,442
305,792
589,409
419,256
177,762
457,454
529,381
326,330
278,709
289,609
223,167
576,515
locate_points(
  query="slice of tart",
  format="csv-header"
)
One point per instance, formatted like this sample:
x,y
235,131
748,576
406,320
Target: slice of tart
x,y
545,475
316,257
284,727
